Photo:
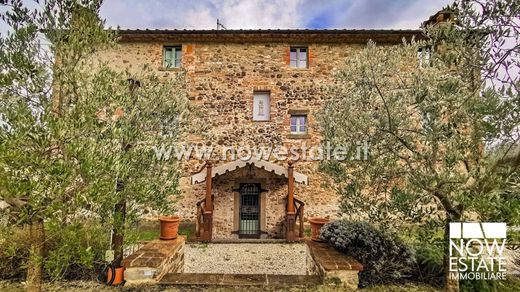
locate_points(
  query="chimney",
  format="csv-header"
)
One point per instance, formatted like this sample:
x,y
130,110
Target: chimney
x,y
444,15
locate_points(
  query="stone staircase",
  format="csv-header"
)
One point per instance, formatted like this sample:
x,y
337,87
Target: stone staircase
x,y
240,264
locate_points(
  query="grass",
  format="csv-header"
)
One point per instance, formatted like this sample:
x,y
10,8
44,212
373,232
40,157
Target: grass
x,y
147,235
405,288
86,286
307,232
185,232
149,231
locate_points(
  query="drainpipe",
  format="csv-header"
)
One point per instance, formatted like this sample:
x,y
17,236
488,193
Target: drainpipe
x,y
290,220
208,207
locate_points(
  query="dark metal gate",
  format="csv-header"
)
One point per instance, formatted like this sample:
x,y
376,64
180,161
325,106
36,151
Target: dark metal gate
x,y
249,210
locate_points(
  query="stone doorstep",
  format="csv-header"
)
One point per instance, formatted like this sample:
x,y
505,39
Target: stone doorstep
x,y
152,261
239,279
247,240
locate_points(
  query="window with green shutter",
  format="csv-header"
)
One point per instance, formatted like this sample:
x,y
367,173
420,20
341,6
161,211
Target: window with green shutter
x,y
172,56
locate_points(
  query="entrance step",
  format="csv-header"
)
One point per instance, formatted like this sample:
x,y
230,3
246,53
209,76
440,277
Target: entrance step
x,y
240,280
194,239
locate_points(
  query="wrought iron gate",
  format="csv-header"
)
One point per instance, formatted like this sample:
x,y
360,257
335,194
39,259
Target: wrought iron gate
x,y
249,210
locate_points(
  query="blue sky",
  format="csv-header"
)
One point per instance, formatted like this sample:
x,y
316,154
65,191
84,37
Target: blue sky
x,y
248,14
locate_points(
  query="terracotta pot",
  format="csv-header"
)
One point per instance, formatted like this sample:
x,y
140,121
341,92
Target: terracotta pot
x,y
169,227
119,278
316,224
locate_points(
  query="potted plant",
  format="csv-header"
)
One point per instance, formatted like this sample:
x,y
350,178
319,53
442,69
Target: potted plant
x,y
316,224
169,227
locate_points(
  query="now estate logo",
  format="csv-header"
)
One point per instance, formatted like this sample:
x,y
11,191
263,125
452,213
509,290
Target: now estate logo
x,y
477,251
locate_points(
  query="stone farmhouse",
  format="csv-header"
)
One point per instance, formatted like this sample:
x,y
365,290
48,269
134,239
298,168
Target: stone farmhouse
x,y
253,88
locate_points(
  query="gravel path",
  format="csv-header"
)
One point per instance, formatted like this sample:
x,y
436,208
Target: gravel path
x,y
246,258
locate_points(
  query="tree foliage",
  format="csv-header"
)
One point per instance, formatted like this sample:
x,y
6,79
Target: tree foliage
x,y
432,130
442,131
73,128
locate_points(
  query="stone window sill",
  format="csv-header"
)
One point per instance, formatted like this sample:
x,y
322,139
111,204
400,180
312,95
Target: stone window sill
x,y
299,136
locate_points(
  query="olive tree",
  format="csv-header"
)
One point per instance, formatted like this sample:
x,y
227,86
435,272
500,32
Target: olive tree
x,y
76,135
432,126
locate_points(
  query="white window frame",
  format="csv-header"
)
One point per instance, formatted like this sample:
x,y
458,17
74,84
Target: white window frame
x,y
261,106
298,59
175,61
424,55
301,129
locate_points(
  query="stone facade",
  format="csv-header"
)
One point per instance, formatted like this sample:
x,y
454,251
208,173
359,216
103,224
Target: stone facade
x,y
222,74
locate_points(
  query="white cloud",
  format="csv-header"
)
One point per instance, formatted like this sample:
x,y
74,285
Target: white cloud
x,y
398,14
249,14
415,14
260,14
203,14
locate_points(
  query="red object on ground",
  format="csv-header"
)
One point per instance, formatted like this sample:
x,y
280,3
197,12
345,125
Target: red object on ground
x,y
169,227
316,224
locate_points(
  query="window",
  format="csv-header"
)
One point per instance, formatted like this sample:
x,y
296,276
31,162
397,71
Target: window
x,y
172,56
133,84
298,124
299,57
424,56
261,106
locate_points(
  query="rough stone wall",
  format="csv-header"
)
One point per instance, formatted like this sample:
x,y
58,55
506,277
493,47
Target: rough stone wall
x,y
272,202
221,79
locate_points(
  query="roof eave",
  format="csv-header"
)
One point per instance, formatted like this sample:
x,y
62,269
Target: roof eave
x,y
279,35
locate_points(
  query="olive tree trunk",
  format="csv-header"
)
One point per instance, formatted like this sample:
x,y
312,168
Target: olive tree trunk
x,y
117,236
36,253
451,284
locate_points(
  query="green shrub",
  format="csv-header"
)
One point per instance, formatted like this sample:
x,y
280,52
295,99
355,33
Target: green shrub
x,y
429,258
510,284
14,250
430,270
385,258
73,251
